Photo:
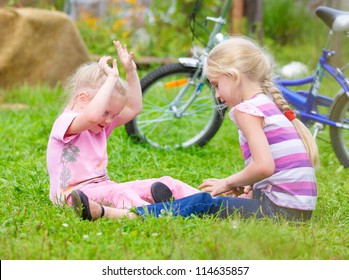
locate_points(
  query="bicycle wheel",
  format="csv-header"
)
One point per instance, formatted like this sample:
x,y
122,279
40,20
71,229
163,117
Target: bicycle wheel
x,y
340,136
158,123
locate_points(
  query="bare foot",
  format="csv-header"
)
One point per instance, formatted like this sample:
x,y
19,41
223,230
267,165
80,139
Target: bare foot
x,y
95,209
109,212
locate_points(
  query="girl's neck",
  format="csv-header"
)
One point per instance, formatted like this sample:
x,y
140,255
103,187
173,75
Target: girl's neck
x,y
74,107
250,89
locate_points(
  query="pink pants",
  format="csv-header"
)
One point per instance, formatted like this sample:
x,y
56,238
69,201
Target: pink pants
x,y
134,193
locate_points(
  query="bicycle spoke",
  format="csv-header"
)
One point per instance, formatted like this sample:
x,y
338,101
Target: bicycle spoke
x,y
172,116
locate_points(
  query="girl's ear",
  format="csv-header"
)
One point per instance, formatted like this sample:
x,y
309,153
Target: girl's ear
x,y
83,97
235,75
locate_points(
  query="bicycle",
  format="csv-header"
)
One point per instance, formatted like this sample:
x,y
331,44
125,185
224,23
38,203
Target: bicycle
x,y
179,105
171,115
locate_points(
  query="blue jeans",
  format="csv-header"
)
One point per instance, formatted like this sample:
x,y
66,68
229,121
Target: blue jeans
x,y
221,206
202,204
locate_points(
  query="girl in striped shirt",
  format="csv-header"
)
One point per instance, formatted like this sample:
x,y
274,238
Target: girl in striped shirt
x,y
280,153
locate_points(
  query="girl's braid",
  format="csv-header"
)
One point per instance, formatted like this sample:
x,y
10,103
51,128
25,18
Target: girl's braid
x,y
308,140
269,87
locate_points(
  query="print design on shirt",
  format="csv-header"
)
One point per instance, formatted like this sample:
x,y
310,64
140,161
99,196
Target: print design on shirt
x,y
69,154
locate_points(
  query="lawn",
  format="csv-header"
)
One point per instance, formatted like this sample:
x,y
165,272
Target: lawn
x,y
31,227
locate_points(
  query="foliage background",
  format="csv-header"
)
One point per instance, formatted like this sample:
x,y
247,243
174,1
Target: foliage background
x,y
161,28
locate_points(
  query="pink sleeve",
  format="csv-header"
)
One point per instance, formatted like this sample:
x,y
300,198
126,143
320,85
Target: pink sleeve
x,y
61,126
246,108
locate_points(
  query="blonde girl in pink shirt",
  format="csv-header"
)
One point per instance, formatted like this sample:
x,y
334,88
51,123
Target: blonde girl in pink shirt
x,y
77,148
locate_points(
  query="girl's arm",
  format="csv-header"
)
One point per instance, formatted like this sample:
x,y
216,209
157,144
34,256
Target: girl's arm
x,y
134,103
261,166
92,110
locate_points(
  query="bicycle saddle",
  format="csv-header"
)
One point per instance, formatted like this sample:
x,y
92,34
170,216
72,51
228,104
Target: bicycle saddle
x,y
337,20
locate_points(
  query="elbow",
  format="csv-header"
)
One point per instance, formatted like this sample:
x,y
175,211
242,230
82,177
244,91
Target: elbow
x,y
137,111
93,118
266,170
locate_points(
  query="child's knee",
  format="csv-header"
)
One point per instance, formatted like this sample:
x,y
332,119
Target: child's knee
x,y
204,197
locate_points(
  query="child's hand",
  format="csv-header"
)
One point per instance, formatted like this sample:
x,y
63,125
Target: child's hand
x,y
247,195
243,192
107,70
235,192
126,58
214,186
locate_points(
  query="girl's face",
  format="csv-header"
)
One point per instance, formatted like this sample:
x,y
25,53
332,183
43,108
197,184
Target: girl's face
x,y
226,87
114,108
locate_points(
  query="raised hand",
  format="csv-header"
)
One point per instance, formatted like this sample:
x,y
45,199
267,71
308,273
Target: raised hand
x,y
125,57
109,71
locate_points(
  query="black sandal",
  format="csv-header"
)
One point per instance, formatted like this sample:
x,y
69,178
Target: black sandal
x,y
161,192
82,206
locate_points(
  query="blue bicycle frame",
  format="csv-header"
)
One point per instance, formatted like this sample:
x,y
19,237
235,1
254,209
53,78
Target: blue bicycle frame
x,y
306,103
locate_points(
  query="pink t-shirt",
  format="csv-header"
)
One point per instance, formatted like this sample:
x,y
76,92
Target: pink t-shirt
x,y
75,160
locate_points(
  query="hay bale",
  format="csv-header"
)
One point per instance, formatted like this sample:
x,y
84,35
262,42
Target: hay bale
x,y
38,46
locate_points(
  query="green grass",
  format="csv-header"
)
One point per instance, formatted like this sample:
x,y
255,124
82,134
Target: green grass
x,y
31,227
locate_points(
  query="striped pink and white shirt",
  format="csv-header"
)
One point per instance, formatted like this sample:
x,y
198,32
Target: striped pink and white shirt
x,y
293,184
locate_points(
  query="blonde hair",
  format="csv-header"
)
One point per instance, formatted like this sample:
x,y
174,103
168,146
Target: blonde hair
x,y
243,55
89,78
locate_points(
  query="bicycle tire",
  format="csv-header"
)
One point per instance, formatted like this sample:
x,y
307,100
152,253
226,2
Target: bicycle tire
x,y
158,126
339,112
